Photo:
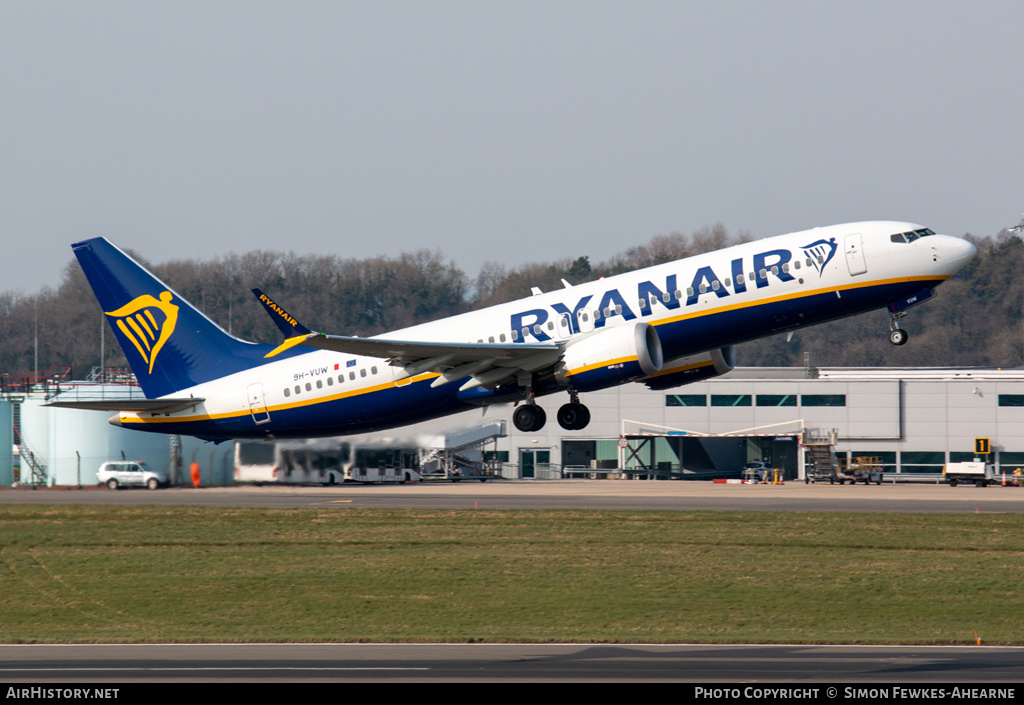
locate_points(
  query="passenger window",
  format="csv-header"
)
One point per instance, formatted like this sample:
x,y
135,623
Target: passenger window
x,y
330,381
775,270
666,297
703,288
763,274
715,285
502,337
373,370
298,389
362,372
309,387
728,281
689,291
679,294
287,392
515,336
319,384
352,375
537,330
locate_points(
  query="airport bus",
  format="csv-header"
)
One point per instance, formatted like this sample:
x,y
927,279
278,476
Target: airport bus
x,y
325,462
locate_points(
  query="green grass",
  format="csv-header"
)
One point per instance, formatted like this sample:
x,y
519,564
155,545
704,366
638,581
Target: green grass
x,y
149,574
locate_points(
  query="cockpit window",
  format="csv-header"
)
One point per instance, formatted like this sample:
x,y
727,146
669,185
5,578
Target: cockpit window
x,y
911,236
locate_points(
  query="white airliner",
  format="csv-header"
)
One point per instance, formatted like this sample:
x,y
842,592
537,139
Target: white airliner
x,y
664,326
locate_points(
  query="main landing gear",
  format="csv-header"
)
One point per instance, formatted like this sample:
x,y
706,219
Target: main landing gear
x,y
897,336
572,416
529,417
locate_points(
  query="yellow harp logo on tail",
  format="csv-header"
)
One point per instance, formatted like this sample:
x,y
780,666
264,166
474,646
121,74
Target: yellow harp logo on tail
x,y
148,323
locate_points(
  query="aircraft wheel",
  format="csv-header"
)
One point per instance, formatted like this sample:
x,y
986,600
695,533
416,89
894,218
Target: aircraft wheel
x,y
573,417
529,417
584,417
898,336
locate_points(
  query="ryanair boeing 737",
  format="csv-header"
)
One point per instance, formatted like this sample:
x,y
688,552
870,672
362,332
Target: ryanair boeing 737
x,y
664,326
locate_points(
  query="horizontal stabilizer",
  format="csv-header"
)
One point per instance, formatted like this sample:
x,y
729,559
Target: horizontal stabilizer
x,y
137,405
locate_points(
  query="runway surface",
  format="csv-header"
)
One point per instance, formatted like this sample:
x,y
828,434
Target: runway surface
x,y
291,663
564,494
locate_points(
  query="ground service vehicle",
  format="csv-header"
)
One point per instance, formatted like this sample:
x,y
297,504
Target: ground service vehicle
x,y
325,462
130,473
980,473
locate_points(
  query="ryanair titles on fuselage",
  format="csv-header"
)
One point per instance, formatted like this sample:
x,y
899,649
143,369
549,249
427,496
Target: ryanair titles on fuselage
x,y
705,281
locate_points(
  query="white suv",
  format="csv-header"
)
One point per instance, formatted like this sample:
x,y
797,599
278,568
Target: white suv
x,y
131,474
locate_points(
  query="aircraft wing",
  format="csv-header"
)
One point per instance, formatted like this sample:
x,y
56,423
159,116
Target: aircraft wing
x,y
486,363
134,404
410,351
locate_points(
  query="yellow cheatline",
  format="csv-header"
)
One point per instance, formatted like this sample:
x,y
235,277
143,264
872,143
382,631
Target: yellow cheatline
x,y
289,344
137,418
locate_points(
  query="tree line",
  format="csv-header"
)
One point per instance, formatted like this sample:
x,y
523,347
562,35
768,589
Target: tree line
x,y
975,319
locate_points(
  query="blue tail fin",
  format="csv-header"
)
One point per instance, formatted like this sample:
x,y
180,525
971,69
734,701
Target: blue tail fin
x,y
169,344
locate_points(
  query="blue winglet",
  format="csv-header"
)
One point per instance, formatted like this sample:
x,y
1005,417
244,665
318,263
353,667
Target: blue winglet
x,y
284,320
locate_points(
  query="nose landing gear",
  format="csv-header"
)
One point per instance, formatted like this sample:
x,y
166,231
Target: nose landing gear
x,y
897,336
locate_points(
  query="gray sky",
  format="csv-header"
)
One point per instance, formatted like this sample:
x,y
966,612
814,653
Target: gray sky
x,y
513,131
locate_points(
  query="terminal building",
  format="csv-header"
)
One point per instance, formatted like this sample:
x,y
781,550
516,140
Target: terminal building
x,y
911,420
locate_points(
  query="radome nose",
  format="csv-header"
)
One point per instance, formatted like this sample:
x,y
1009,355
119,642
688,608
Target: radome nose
x,y
958,252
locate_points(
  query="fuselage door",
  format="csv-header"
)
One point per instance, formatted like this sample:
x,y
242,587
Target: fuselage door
x,y
564,326
855,254
586,319
257,404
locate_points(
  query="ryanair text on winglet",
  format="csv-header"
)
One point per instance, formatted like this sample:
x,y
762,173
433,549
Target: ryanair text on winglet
x,y
278,310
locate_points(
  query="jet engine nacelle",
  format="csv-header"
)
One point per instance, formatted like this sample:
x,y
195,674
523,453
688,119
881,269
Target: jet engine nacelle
x,y
611,356
693,368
